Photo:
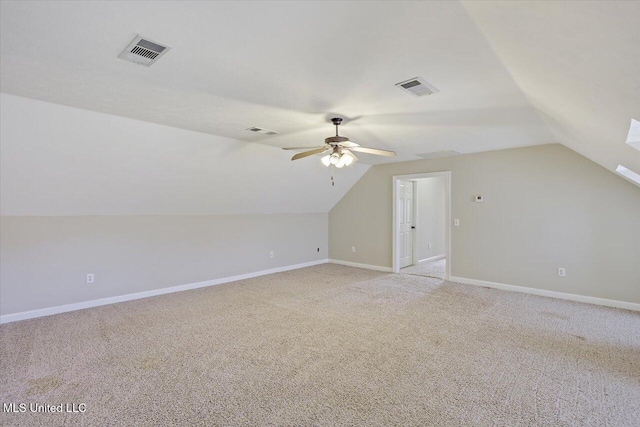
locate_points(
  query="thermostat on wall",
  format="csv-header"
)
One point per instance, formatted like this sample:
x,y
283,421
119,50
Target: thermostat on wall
x,y
479,199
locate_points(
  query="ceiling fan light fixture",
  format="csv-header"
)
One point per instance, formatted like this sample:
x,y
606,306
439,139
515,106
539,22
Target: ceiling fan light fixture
x,y
347,159
340,148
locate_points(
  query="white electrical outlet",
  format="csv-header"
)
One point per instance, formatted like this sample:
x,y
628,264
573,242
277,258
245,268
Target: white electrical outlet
x,y
429,245
91,278
271,254
562,272
353,248
456,222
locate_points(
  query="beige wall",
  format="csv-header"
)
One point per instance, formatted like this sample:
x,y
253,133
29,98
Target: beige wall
x,y
431,199
545,207
144,206
45,260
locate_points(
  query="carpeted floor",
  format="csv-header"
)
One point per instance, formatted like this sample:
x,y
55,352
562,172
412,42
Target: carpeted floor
x,y
329,345
436,269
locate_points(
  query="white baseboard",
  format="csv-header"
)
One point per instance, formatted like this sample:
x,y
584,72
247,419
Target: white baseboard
x,y
552,294
358,265
129,297
433,258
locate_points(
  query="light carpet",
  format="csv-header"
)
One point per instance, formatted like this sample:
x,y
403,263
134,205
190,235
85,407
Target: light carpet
x,y
436,269
329,345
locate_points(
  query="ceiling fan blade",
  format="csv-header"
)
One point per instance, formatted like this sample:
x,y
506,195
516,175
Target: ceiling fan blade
x,y
373,151
300,148
349,144
310,153
355,158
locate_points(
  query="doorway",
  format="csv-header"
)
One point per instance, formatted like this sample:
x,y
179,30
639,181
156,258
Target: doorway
x,y
422,224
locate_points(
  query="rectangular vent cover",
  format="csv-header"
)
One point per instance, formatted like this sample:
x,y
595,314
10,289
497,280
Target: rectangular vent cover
x,y
436,154
261,130
143,51
417,87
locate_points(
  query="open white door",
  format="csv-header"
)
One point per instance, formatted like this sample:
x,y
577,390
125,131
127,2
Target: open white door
x,y
404,217
400,243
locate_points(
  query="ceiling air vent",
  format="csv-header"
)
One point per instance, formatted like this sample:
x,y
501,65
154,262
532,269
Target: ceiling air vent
x,y
261,130
436,154
143,51
417,87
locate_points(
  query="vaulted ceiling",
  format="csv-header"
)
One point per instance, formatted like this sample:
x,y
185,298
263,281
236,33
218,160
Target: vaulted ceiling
x,y
285,66
509,73
578,64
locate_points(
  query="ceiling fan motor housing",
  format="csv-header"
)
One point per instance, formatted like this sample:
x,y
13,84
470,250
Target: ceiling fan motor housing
x,y
336,139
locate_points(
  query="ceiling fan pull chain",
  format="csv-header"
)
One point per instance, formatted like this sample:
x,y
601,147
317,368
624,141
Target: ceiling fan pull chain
x,y
333,183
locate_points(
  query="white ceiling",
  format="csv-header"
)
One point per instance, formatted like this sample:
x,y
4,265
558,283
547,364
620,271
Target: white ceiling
x,y
58,160
509,74
286,66
578,63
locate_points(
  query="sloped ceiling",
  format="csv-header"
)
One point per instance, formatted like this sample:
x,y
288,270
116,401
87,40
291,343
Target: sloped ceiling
x,y
509,75
578,63
285,66
59,160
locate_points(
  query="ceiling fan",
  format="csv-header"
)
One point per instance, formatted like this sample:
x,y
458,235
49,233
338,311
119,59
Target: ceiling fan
x,y
340,150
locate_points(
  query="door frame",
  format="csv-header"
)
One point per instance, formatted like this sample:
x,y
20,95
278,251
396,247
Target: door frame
x,y
447,232
414,241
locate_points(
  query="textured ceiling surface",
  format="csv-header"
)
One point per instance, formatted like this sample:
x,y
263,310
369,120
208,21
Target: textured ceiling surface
x,y
578,63
58,160
509,73
285,66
